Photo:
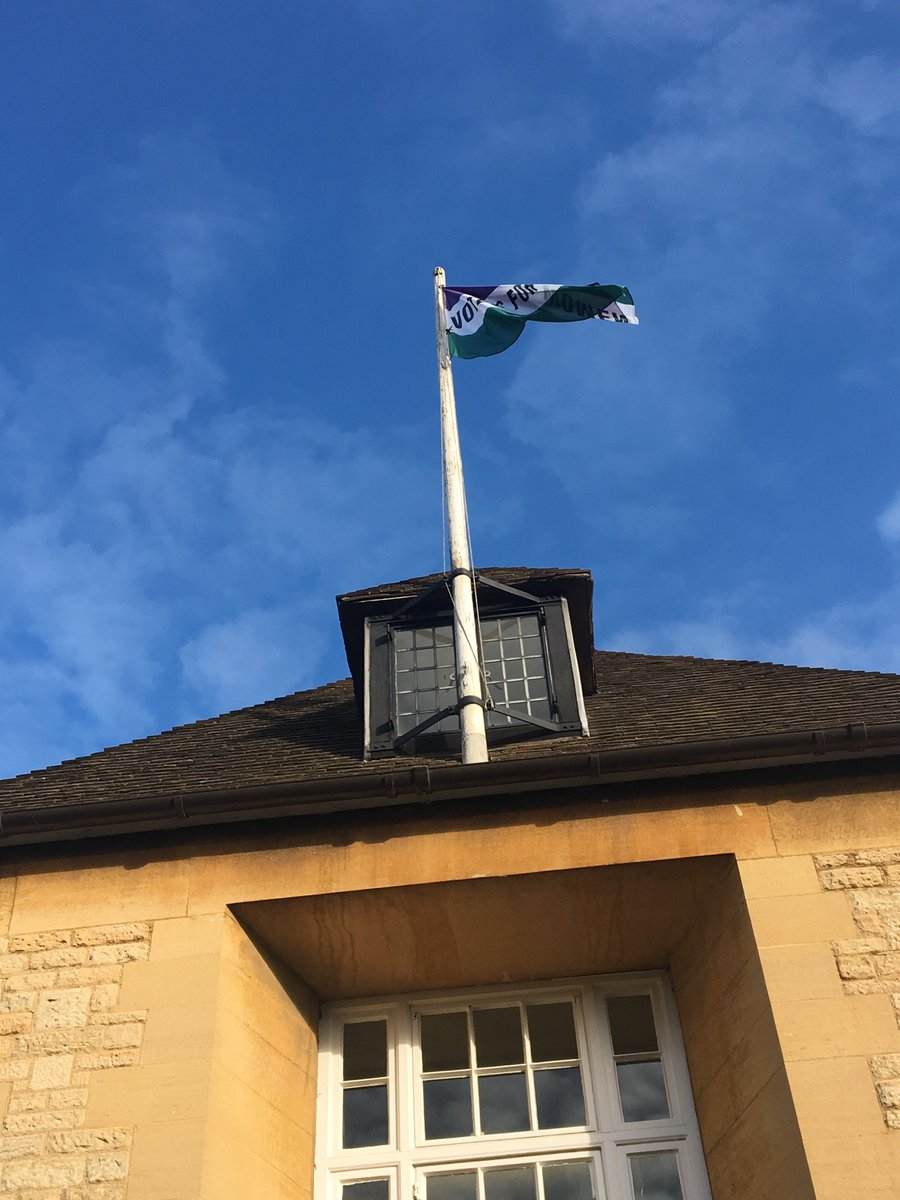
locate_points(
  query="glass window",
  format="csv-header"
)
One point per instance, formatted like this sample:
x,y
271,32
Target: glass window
x,y
508,1094
530,678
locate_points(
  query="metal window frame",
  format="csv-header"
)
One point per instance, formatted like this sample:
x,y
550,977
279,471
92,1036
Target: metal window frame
x,y
564,682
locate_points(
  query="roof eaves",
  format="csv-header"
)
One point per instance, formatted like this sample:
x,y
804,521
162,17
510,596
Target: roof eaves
x,y
426,784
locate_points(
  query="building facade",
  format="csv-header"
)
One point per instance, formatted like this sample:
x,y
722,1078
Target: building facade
x,y
649,950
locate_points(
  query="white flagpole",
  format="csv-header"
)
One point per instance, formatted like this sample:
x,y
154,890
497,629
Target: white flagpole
x,y
465,633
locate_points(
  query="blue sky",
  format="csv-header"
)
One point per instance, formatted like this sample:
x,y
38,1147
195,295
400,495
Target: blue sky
x,y
218,402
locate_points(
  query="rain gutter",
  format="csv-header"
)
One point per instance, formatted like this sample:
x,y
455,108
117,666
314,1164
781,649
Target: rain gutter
x,y
426,784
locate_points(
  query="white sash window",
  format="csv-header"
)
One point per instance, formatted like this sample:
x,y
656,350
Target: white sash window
x,y
575,1090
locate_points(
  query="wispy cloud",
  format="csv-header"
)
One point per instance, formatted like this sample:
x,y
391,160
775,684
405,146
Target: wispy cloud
x,y
162,537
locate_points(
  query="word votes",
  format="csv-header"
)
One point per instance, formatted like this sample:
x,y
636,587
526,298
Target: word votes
x,y
526,299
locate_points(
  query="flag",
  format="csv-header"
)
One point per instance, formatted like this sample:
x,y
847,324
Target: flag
x,y
486,320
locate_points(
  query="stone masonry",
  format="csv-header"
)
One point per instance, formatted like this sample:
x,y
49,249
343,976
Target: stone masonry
x,y
59,1025
871,962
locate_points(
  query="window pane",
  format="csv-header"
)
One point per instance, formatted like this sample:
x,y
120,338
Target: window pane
x,y
365,1116
445,1041
463,1185
365,1050
448,1108
498,1037
560,1101
642,1090
568,1181
509,1183
631,1024
655,1176
551,1029
504,1103
367,1189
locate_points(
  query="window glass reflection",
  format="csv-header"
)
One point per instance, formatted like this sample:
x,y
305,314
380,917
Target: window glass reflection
x,y
448,1108
366,1189
498,1037
567,1181
457,1185
503,1101
509,1183
559,1096
631,1024
655,1176
551,1030
642,1090
445,1041
365,1050
365,1116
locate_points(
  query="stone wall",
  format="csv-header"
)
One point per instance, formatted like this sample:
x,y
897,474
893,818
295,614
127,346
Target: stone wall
x,y
870,963
58,1026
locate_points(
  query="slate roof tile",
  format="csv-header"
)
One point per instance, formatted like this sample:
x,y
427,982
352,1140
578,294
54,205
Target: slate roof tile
x,y
641,701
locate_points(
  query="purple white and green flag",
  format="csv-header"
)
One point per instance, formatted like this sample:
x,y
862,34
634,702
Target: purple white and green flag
x,y
486,320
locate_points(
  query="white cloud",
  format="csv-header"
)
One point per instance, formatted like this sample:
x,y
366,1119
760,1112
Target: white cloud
x,y
161,538
643,21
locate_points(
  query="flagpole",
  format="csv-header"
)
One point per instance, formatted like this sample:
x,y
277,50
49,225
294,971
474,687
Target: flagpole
x,y
465,631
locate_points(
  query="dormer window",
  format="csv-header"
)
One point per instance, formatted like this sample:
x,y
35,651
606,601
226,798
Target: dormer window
x,y
535,649
529,674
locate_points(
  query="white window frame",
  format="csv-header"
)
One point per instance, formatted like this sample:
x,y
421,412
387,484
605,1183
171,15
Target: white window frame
x,y
606,1137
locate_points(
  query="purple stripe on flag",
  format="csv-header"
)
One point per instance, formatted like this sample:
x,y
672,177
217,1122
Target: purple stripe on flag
x,y
453,294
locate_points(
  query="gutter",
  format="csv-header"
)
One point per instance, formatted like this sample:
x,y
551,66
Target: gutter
x,y
422,784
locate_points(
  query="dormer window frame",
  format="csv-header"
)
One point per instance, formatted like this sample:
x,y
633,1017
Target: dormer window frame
x,y
566,712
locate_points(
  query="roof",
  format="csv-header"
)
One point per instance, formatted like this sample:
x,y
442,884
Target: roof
x,y
642,701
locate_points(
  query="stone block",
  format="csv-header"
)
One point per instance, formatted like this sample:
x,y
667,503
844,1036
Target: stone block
x,y
885,1066
32,1122
848,1026
67,956
62,1008
17,1001
120,953
132,931
856,968
789,920
846,878
183,937
51,940
52,1071
44,1173
72,1097
105,1060
15,1022
106,995
103,1167
791,876
21,1145
801,972
83,1140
